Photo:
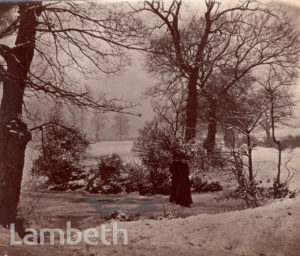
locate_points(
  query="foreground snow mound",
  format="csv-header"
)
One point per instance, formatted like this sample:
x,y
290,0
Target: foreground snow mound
x,y
270,230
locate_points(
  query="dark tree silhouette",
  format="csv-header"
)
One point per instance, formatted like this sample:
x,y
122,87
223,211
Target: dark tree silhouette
x,y
121,125
99,122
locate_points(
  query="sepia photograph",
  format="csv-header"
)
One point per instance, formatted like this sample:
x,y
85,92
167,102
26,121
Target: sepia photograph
x,y
150,128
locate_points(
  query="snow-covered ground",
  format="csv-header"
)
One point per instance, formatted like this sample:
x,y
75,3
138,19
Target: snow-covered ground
x,y
123,148
265,165
272,230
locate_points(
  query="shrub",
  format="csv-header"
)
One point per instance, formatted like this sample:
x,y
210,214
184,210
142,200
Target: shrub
x,y
282,190
155,147
61,151
110,166
106,178
112,176
136,179
200,185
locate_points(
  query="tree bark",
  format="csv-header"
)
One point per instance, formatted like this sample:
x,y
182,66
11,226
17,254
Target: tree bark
x,y
277,142
267,127
250,162
268,135
14,135
97,127
210,141
191,107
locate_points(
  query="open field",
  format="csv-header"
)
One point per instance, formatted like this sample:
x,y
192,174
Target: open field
x,y
123,148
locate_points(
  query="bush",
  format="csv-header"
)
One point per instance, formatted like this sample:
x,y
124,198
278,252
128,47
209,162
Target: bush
x,y
200,185
282,190
155,147
136,179
106,178
62,149
112,176
109,167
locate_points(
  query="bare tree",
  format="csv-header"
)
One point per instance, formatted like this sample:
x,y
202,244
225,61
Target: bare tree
x,y
245,117
121,125
74,117
218,99
181,49
53,43
83,119
242,39
169,106
283,112
99,121
275,84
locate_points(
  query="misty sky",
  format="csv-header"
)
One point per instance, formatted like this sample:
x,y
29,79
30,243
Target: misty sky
x,y
130,85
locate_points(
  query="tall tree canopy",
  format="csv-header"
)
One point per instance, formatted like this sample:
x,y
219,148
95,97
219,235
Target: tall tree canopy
x,y
242,37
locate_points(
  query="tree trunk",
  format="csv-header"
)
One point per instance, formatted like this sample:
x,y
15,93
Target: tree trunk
x,y
120,127
210,141
14,135
97,127
268,135
191,107
250,164
229,138
81,120
277,142
267,127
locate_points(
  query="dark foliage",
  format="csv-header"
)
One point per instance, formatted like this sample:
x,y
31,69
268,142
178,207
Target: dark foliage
x,y
139,179
62,149
155,148
106,178
281,190
201,185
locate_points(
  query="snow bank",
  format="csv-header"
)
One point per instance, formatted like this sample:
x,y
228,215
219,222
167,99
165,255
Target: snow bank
x,y
270,230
